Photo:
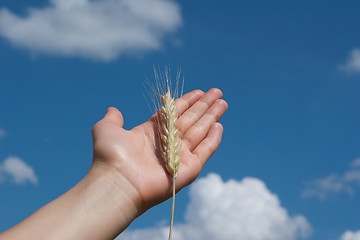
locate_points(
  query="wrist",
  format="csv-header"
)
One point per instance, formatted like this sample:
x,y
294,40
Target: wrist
x,y
111,197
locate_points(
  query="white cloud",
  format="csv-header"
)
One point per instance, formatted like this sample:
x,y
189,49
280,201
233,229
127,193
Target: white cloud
x,y
356,163
334,183
349,235
18,171
96,29
352,176
2,133
243,210
353,62
322,187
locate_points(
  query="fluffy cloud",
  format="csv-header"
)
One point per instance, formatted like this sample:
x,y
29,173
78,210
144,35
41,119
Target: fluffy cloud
x,y
243,210
18,171
334,183
353,62
102,29
349,235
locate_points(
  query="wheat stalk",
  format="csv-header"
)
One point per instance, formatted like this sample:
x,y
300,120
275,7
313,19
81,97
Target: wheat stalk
x,y
168,132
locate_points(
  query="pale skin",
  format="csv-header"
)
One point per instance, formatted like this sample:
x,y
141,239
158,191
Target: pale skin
x,y
128,175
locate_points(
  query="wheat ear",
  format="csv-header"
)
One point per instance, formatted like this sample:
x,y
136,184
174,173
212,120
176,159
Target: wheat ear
x,y
163,98
168,132
169,143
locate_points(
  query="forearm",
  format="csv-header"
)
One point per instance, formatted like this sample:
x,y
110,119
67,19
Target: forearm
x,y
100,206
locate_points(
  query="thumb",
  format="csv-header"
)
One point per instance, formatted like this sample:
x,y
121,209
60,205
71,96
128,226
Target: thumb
x,y
115,116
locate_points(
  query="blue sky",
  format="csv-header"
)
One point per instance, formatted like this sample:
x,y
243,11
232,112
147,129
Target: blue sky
x,y
288,165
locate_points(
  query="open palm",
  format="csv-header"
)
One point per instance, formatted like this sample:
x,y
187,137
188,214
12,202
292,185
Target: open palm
x,y
135,153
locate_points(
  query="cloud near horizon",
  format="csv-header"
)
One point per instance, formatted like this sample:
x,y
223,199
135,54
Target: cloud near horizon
x,y
2,133
243,210
18,171
334,183
352,64
100,30
349,235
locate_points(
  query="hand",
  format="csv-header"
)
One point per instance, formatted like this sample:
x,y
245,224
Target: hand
x,y
135,156
127,176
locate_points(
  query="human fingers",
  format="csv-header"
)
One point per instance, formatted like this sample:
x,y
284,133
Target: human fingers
x,y
208,146
186,101
197,132
183,103
197,110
